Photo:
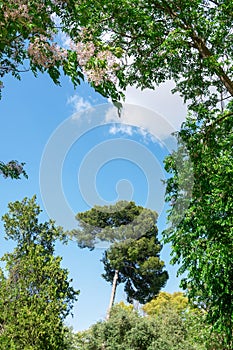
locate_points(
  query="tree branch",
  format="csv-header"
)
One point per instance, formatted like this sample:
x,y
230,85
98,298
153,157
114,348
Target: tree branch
x,y
217,121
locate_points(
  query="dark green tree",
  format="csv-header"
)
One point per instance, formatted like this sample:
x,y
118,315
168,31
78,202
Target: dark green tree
x,y
133,257
35,292
138,265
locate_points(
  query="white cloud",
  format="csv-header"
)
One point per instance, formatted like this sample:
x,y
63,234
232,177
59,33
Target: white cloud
x,y
122,129
79,105
65,40
56,19
161,100
152,114
156,113
143,121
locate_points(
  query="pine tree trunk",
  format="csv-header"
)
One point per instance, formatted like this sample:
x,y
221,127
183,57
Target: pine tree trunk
x,y
113,293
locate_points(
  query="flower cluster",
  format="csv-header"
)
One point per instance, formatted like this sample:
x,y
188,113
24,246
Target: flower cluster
x,y
16,9
96,65
35,23
44,53
13,169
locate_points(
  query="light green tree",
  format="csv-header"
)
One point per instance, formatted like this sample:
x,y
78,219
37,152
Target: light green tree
x,y
174,309
36,294
165,300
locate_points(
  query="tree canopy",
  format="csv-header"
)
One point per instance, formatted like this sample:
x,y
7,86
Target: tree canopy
x,y
28,31
128,43
186,41
133,257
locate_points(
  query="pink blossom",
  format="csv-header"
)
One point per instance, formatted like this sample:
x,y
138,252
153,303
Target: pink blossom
x,y
105,70
45,54
18,9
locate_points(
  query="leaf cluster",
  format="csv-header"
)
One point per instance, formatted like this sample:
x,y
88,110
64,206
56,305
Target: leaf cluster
x,y
202,234
12,169
189,42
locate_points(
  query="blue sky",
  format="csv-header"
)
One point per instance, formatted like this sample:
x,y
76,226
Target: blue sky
x,y
79,153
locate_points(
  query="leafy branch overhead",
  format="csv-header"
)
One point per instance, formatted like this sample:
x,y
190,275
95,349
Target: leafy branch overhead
x,y
44,36
189,42
121,43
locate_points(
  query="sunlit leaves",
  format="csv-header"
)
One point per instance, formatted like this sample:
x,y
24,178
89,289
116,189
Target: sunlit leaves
x,y
128,330
189,42
202,238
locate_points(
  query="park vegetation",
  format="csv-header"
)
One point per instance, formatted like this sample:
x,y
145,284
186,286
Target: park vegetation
x,y
166,322
114,44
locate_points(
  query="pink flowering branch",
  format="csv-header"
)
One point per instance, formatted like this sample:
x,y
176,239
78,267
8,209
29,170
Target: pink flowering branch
x,y
96,65
30,35
44,53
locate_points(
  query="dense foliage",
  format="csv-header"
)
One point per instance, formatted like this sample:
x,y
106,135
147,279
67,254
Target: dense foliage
x,y
187,41
133,257
169,327
132,43
46,36
27,38
203,239
35,292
